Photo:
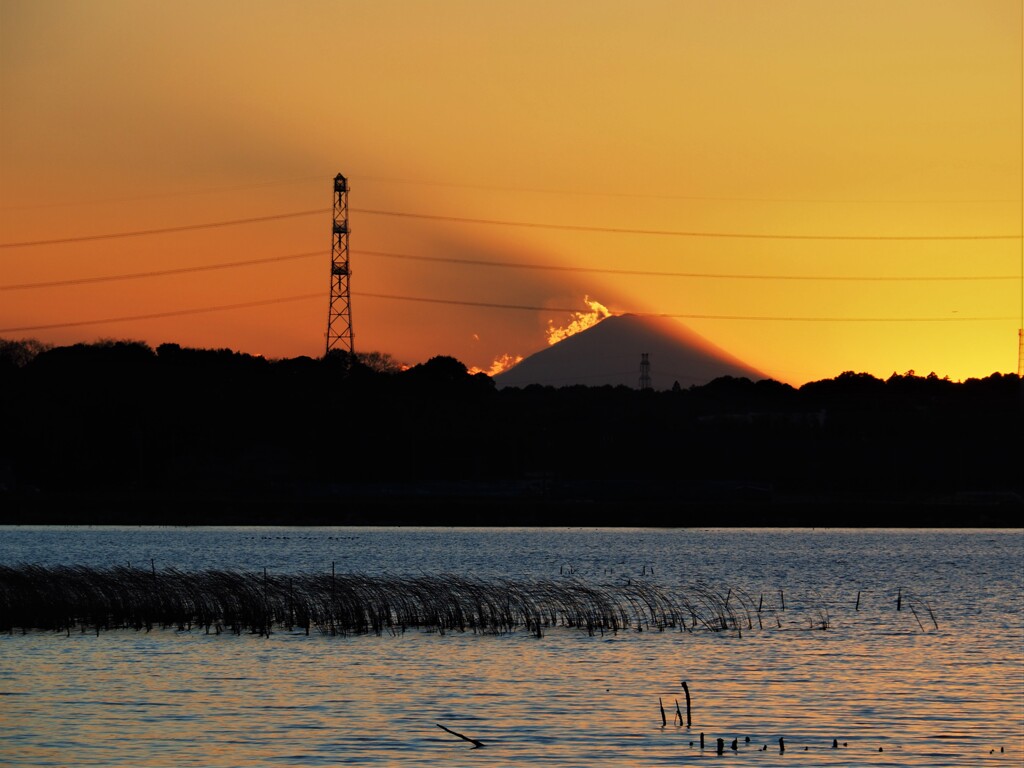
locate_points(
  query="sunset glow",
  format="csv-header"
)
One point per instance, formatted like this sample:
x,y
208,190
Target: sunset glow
x,y
501,363
813,187
579,321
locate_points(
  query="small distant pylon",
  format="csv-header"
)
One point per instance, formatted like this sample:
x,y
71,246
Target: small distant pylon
x,y
1020,353
645,372
339,315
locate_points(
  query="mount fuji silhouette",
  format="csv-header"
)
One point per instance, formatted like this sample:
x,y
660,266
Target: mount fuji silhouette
x,y
609,353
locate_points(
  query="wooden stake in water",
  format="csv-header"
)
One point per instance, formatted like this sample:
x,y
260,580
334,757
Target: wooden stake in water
x,y
266,607
916,617
899,600
857,606
686,690
664,722
679,715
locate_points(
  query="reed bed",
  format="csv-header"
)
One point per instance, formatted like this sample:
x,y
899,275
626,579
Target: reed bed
x,y
77,598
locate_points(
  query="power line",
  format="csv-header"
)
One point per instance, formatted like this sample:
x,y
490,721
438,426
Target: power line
x,y
78,203
159,273
492,305
653,196
714,275
501,264
687,316
672,232
171,313
164,230
505,223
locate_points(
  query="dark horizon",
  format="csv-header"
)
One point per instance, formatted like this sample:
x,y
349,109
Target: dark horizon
x,y
119,432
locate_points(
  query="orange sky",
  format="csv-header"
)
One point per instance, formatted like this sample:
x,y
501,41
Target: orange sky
x,y
785,118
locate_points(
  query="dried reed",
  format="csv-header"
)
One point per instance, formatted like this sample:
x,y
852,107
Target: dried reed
x,y
93,599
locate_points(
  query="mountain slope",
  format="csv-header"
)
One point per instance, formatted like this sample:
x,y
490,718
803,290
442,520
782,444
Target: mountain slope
x,y
609,353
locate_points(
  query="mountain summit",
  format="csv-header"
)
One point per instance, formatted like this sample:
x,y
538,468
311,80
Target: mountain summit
x,y
609,353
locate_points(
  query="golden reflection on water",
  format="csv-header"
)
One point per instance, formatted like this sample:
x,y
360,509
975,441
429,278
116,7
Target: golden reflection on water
x,y
188,699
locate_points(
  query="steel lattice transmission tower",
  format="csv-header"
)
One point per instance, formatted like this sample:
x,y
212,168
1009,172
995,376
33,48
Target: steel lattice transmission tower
x,y
645,372
339,316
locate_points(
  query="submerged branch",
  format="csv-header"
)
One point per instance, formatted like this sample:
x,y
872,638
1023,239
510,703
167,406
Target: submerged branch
x,y
476,744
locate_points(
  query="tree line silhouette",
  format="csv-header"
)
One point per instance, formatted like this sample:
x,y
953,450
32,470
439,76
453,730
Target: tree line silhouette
x,y
116,431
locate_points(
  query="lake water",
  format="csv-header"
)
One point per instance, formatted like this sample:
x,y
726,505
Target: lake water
x,y
892,687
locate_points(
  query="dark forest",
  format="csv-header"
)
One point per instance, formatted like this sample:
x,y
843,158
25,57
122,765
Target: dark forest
x,y
117,432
